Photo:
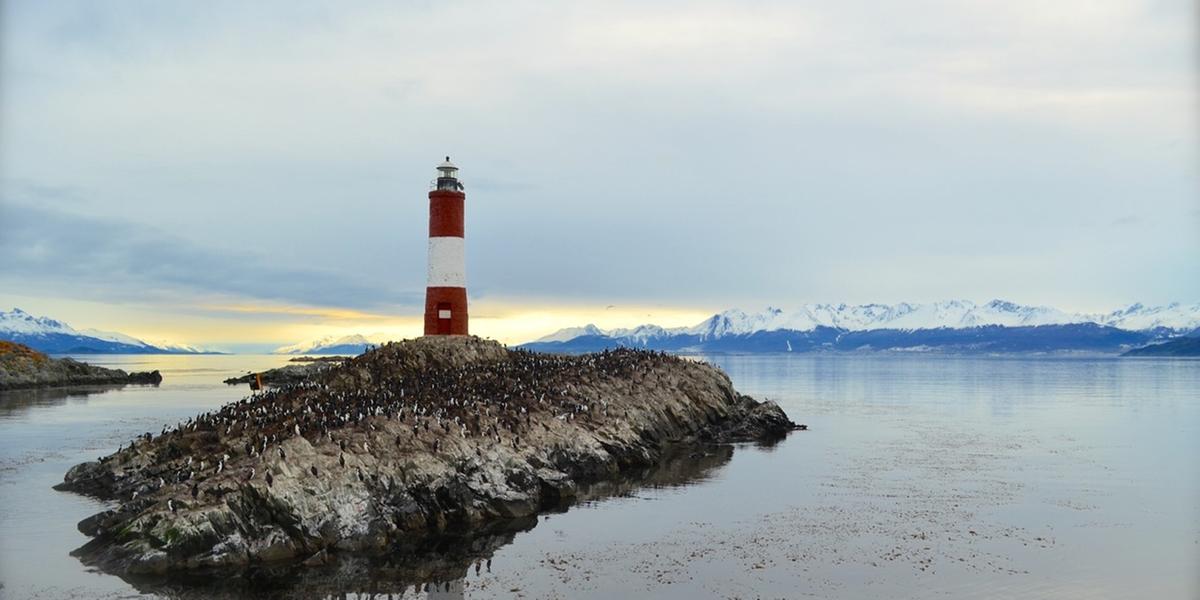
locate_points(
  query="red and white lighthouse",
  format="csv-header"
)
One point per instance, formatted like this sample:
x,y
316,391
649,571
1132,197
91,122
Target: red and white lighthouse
x,y
446,291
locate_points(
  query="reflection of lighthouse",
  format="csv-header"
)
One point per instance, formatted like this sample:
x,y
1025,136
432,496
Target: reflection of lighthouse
x,y
446,294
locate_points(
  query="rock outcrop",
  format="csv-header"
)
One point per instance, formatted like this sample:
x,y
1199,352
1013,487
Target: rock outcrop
x,y
407,441
285,375
426,563
23,367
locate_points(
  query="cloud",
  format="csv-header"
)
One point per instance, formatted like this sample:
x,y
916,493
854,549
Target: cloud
x,y
697,154
83,256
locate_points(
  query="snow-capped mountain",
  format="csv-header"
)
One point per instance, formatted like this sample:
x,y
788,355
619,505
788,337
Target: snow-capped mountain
x,y
347,344
830,325
55,337
865,317
570,333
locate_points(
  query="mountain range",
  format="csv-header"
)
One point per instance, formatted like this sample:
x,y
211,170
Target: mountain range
x,y
55,337
950,326
959,326
347,344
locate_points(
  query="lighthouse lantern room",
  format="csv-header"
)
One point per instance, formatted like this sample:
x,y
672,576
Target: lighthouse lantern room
x,y
446,289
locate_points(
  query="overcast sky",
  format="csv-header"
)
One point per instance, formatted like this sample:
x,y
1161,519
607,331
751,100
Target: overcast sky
x,y
219,172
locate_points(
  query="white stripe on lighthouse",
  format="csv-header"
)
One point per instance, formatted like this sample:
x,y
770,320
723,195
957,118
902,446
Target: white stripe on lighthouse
x,y
447,262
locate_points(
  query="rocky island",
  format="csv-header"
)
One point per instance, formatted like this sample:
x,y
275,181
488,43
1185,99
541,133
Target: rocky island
x,y
406,441
22,367
285,375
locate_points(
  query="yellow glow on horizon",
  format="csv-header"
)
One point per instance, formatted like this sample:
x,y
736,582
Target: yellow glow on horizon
x,y
323,312
504,322
519,326
215,324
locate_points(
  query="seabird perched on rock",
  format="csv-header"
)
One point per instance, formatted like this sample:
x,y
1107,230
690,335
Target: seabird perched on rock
x,y
313,468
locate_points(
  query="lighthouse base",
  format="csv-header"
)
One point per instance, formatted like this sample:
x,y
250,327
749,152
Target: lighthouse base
x,y
445,311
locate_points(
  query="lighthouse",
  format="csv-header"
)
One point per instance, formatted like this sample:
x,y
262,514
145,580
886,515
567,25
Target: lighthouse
x,y
446,289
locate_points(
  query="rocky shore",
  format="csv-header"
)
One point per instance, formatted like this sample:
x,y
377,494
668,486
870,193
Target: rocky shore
x,y
285,375
411,440
428,562
22,367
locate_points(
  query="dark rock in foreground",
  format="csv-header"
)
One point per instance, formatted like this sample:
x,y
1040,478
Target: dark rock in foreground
x,y
413,439
23,367
424,563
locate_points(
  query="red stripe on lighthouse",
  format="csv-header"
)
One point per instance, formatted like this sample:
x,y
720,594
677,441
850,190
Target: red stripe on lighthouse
x,y
445,311
446,213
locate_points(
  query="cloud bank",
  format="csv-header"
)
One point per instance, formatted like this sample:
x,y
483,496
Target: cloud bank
x,y
706,154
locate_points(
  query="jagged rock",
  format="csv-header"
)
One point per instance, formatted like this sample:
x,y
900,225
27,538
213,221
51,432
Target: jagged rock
x,y
285,375
23,367
409,440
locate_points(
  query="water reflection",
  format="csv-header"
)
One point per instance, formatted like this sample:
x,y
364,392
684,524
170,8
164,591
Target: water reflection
x,y
17,402
433,567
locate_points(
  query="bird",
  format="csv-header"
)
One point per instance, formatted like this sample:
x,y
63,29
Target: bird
x,y
171,505
313,468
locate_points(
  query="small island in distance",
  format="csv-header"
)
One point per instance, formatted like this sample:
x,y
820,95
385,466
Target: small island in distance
x,y
23,367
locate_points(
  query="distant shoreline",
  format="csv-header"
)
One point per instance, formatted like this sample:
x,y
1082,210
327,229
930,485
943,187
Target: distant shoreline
x,y
22,367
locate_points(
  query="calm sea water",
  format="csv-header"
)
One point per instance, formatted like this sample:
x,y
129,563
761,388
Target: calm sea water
x,y
919,477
